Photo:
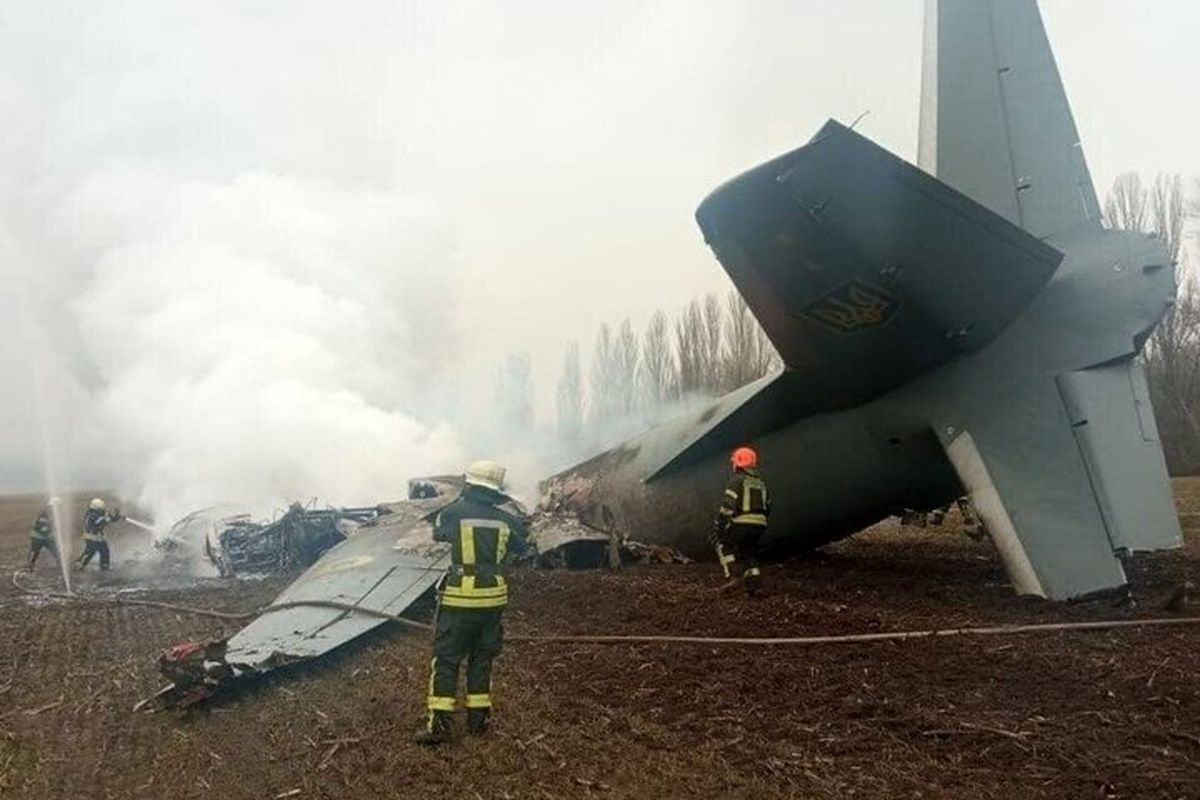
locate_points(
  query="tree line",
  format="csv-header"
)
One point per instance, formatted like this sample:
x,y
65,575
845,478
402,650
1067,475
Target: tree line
x,y
713,346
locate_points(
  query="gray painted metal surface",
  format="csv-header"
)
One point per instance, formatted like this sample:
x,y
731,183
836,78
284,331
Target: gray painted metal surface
x,y
385,567
973,332
995,122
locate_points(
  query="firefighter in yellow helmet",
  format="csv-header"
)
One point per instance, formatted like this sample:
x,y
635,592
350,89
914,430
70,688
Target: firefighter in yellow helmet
x,y
95,520
472,600
741,521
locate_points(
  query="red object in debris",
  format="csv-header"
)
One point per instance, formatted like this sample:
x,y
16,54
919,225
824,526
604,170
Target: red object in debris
x,y
181,651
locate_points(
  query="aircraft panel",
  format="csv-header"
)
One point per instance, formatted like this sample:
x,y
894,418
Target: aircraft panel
x,y
366,570
1113,421
863,270
1016,454
995,121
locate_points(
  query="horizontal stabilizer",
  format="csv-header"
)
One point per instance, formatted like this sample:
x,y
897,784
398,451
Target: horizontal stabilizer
x,y
1017,455
864,271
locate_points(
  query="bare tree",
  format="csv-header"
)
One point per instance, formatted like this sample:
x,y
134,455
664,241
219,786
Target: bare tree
x,y
711,345
1125,206
604,385
569,397
514,393
746,354
627,354
657,377
689,334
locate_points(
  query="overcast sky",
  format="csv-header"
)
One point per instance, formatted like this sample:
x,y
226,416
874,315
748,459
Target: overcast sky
x,y
554,152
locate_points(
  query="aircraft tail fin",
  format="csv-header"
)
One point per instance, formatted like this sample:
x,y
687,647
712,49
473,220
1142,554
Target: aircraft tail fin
x,y
995,121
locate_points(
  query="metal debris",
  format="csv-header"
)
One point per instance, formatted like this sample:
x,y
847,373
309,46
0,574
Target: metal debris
x,y
295,540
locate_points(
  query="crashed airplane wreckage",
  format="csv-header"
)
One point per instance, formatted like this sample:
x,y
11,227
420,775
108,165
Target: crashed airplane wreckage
x,y
966,327
372,574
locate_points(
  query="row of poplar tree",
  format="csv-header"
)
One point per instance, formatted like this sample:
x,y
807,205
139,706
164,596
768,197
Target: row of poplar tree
x,y
714,345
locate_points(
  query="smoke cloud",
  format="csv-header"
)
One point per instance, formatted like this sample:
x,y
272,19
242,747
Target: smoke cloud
x,y
255,340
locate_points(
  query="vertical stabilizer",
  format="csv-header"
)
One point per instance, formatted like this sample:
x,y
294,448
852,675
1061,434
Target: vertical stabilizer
x,y
995,121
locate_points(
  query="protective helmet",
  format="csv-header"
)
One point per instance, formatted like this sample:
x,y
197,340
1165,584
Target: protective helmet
x,y
97,504
487,474
744,458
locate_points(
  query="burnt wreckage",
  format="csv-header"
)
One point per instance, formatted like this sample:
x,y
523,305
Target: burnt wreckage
x,y
296,539
384,560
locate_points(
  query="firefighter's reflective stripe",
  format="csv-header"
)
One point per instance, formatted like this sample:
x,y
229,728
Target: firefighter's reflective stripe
x,y
459,601
466,534
435,702
469,589
752,572
502,544
39,532
731,494
440,703
93,537
479,701
477,585
751,487
468,595
724,559
753,502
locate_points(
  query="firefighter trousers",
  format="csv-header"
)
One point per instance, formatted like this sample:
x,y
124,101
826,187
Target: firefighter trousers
x,y
740,540
91,548
470,634
36,545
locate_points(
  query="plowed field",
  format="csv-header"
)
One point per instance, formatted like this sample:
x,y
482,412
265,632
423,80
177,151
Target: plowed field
x,y
1098,714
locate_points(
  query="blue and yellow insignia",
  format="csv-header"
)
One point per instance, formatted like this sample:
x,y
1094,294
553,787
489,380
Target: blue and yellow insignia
x,y
852,307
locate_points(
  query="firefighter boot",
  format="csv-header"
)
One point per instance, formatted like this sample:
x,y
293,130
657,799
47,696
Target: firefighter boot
x,y
752,579
436,730
477,721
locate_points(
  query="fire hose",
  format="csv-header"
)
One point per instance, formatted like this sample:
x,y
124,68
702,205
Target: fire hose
x,y
891,636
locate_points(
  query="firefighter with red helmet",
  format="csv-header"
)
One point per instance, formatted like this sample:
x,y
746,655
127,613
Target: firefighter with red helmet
x,y
741,521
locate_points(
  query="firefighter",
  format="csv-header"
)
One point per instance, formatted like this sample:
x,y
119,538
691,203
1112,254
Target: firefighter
x,y
95,520
41,536
741,521
472,599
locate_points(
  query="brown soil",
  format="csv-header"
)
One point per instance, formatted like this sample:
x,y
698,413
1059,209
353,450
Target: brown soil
x,y
1062,715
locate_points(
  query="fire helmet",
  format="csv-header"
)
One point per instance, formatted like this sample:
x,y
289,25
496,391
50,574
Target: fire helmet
x,y
97,504
487,474
744,458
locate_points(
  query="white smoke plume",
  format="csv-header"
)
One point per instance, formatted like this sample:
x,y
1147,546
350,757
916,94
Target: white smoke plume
x,y
258,345
237,299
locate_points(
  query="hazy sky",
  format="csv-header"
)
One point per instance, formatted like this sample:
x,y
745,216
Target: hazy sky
x,y
546,157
